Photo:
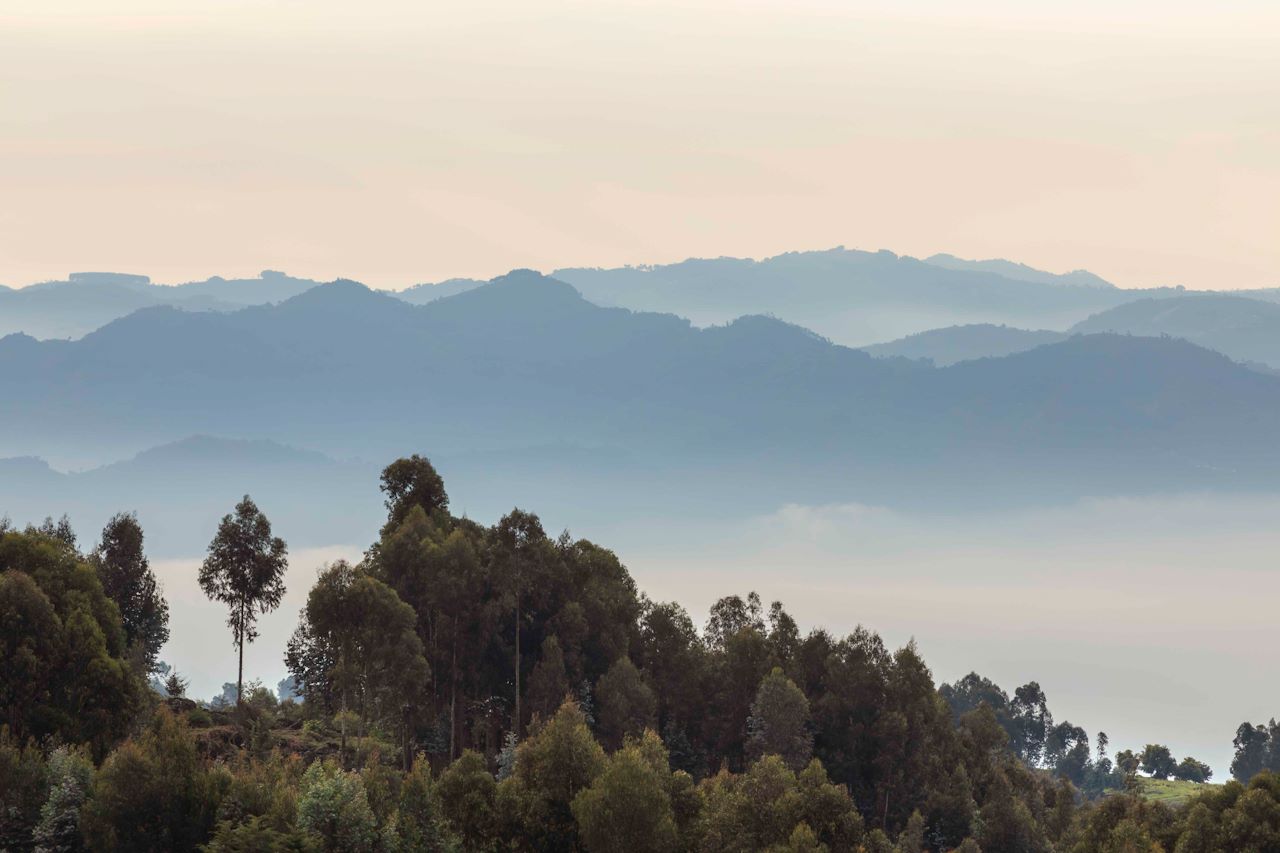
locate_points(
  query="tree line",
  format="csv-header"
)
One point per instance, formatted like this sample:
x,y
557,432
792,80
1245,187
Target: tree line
x,y
471,687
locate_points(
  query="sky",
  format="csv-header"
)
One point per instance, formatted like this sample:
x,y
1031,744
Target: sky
x,y
397,142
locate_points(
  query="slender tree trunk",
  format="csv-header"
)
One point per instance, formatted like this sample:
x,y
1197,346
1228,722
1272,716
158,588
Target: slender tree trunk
x,y
518,719
364,703
434,632
408,756
453,700
240,670
342,749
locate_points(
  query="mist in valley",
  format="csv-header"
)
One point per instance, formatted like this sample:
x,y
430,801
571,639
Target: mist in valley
x,y
1149,619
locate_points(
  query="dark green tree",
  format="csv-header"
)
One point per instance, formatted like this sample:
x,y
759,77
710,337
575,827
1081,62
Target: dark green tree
x,y
60,530
730,616
911,839
412,482
24,784
548,685
1006,821
1158,761
1253,749
1067,751
628,806
419,823
63,670
245,570
974,690
368,632
154,793
439,574
740,657
127,580
466,790
626,704
70,776
779,722
1191,770
553,765
520,544
334,805
1030,722
1127,762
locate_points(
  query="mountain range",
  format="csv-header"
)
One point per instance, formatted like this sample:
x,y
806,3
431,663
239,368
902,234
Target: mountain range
x,y
855,298
521,387
1246,329
88,300
181,489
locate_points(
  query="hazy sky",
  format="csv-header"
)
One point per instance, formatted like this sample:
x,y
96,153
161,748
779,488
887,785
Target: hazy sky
x,y
399,141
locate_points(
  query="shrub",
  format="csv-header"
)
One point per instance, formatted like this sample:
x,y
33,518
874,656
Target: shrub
x,y
334,807
154,792
628,807
23,784
466,790
70,775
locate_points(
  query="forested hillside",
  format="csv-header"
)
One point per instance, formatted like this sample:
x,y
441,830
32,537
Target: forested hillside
x,y
470,687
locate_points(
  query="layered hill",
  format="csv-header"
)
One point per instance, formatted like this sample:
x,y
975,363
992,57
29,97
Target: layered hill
x,y
181,489
87,301
1245,328
523,379
947,346
856,298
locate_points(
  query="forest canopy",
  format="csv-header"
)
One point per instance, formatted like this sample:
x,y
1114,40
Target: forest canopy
x,y
472,687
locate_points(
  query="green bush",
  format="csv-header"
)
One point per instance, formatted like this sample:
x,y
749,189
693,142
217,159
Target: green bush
x,y
70,775
63,664
335,807
260,836
155,792
23,787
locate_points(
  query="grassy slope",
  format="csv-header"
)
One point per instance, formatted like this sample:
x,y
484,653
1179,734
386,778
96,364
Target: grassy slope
x,y
1172,792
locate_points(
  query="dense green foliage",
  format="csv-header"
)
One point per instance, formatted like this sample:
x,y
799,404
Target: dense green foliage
x,y
127,580
493,688
63,660
1257,749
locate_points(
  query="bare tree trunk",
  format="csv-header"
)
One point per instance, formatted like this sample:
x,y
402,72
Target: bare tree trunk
x,y
342,749
240,670
453,700
408,755
517,725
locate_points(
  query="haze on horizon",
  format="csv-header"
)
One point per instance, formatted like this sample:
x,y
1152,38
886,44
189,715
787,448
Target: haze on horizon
x,y
399,142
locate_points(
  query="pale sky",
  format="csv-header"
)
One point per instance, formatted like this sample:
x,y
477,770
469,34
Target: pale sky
x,y
397,142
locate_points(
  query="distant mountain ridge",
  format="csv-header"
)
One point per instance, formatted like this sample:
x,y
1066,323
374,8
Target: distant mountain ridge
x,y
1020,272
854,297
953,344
87,301
582,400
1246,329
181,489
